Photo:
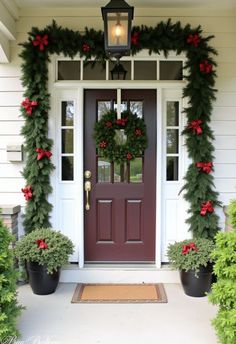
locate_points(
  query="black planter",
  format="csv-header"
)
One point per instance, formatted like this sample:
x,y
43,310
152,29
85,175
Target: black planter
x,y
197,286
40,281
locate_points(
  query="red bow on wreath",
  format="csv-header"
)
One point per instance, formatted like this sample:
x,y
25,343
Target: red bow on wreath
x,y
207,207
109,124
42,153
194,40
135,38
138,132
205,67
28,105
129,156
103,144
40,41
189,247
28,193
41,244
205,166
122,122
195,126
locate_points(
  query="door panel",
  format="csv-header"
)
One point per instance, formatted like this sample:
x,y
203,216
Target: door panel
x,y
120,225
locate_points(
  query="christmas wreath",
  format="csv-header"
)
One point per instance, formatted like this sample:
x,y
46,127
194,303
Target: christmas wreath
x,y
120,140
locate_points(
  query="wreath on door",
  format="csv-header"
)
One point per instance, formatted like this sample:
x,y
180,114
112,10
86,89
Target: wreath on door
x,y
120,139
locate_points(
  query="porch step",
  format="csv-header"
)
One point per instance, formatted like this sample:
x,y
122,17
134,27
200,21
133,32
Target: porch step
x,y
118,274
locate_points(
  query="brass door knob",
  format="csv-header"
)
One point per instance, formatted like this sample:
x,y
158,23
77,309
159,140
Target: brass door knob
x,y
87,174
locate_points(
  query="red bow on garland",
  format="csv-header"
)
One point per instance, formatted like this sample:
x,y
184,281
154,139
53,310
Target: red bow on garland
x,y
205,67
205,166
122,122
42,153
207,207
194,40
189,247
195,126
40,41
41,244
138,132
109,124
86,47
28,105
135,38
28,193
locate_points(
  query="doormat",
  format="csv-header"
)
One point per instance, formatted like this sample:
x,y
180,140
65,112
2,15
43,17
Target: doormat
x,y
119,293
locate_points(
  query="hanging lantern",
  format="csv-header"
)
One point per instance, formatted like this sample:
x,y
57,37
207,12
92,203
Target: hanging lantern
x,y
118,72
117,16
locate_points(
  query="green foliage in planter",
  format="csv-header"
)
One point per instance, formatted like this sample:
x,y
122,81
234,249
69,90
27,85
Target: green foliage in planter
x,y
9,308
232,213
194,258
54,255
224,290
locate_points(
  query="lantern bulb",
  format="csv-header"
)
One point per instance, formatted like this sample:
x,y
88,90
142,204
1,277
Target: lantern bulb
x,y
118,30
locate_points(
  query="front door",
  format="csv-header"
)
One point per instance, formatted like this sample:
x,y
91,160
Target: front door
x,y
120,224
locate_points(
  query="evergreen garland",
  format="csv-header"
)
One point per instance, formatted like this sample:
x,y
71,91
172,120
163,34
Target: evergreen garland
x,y
165,36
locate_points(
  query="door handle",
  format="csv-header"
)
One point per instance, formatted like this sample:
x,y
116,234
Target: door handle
x,y
87,189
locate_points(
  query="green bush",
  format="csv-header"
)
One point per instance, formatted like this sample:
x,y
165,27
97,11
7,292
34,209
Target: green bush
x,y
193,258
54,252
224,290
9,308
232,213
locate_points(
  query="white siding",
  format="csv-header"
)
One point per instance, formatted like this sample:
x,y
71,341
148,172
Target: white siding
x,y
221,24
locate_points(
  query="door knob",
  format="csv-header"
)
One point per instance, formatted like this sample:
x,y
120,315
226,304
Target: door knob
x,y
87,174
87,189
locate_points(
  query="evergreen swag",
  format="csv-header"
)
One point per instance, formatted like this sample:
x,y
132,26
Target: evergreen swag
x,y
165,36
106,135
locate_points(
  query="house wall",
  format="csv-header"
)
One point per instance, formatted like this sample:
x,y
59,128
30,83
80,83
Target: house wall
x,y
221,24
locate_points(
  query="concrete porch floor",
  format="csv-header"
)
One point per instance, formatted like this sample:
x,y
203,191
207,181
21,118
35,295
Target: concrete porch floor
x,y
53,319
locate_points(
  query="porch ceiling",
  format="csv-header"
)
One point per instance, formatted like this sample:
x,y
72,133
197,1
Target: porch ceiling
x,y
226,4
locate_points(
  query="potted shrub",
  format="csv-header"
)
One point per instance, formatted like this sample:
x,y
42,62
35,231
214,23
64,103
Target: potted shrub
x,y
193,259
44,251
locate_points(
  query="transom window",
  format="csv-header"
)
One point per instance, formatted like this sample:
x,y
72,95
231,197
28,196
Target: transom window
x,y
136,70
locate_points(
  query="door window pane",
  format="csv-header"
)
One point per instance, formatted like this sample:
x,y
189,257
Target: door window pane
x,y
124,106
171,70
172,114
67,140
104,170
67,113
145,70
103,106
120,173
172,167
137,107
136,170
172,141
67,168
93,71
68,70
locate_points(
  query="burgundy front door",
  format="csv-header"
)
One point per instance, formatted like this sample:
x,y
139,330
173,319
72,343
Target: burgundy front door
x,y
120,225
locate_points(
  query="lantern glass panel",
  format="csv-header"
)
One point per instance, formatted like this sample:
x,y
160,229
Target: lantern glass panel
x,y
117,29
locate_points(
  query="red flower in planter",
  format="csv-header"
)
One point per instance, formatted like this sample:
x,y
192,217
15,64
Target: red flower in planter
x,y
41,244
186,248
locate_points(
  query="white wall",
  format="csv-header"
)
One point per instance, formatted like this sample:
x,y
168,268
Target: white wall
x,y
221,24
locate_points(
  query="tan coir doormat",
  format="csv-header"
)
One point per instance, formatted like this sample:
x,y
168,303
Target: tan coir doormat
x,y
119,293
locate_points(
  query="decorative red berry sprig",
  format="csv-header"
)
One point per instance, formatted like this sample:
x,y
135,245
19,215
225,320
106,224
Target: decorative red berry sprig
x,y
205,67
129,156
28,193
135,38
138,132
122,122
206,207
86,48
205,166
29,105
195,126
103,144
42,153
41,42
109,124
194,40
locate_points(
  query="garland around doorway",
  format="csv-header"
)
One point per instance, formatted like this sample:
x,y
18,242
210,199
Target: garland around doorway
x,y
165,36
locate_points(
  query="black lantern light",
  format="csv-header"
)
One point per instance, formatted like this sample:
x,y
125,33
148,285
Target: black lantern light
x,y
117,16
118,72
